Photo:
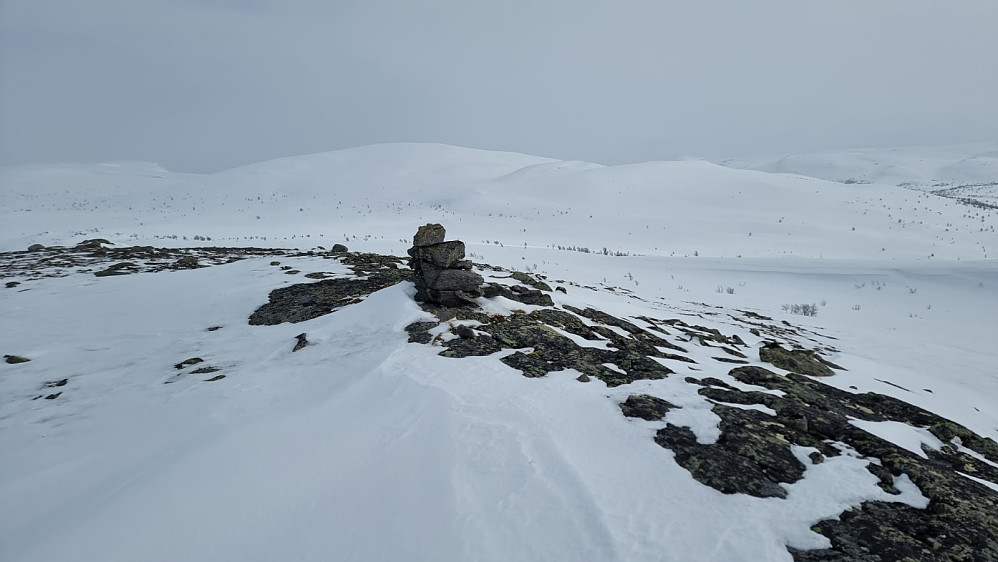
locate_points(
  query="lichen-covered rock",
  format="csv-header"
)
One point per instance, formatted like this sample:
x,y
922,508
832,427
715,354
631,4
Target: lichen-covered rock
x,y
752,455
526,279
717,467
186,262
302,341
92,243
961,521
645,406
428,235
188,362
551,351
123,268
796,360
443,255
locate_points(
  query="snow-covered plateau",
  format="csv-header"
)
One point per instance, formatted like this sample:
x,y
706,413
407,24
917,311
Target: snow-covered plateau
x,y
758,360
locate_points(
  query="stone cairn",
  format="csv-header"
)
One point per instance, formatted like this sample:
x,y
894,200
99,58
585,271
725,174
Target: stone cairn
x,y
442,275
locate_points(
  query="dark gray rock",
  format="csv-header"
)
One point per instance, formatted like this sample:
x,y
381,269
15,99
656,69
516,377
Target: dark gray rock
x,y
457,280
36,248
338,249
451,298
444,254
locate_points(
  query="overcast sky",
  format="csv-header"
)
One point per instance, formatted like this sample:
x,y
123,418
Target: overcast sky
x,y
204,85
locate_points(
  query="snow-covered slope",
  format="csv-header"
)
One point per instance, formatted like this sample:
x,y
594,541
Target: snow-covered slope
x,y
364,447
660,208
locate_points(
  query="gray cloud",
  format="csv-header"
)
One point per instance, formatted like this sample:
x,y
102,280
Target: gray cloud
x,y
207,84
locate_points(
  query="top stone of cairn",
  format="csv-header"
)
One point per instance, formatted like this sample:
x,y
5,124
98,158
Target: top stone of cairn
x,y
428,235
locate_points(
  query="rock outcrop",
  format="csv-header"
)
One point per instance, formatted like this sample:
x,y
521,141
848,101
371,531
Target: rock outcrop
x,y
441,274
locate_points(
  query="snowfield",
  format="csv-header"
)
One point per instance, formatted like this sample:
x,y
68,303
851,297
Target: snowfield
x,y
362,446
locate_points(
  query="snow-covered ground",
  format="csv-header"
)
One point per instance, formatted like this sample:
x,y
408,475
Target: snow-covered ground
x,y
364,447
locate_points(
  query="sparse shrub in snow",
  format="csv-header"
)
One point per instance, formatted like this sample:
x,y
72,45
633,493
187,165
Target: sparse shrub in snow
x,y
801,309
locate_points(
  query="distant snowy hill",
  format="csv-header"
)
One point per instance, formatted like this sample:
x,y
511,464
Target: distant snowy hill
x,y
963,163
142,417
960,171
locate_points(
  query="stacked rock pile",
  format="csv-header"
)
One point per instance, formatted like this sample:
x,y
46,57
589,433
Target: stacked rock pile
x,y
442,275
